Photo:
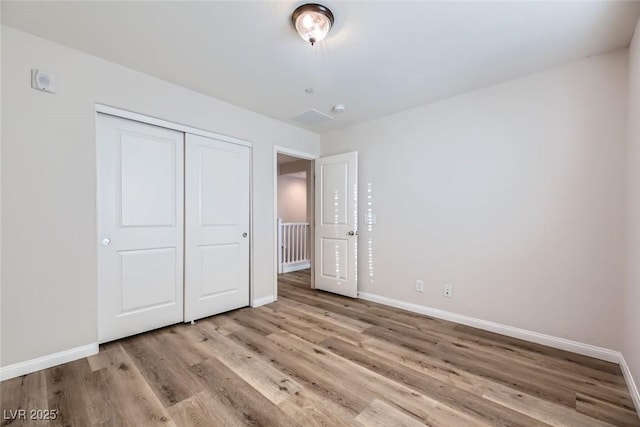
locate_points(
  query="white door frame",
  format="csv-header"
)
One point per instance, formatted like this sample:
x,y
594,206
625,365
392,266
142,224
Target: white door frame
x,y
302,155
126,114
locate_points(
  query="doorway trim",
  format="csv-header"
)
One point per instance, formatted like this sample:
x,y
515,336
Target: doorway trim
x,y
302,155
127,114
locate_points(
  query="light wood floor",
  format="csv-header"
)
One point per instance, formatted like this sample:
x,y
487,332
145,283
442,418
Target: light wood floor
x,y
314,358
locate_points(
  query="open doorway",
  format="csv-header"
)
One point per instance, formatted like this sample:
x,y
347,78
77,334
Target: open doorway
x,y
330,230
294,216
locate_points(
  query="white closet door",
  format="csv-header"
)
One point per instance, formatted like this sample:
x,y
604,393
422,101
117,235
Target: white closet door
x,y
140,227
216,227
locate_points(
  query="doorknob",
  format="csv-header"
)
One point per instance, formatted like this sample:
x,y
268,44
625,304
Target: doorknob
x,y
244,234
106,241
352,233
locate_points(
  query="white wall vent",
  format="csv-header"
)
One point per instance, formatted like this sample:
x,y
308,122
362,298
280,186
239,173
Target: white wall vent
x,y
312,117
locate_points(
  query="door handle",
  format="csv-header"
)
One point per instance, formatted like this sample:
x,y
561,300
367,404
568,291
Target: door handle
x,y
106,241
244,234
352,233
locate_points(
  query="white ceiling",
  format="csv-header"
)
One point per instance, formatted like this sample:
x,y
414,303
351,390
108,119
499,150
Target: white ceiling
x,y
381,56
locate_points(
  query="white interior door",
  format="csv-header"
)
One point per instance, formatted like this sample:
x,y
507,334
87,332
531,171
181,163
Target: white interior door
x,y
216,227
336,228
140,227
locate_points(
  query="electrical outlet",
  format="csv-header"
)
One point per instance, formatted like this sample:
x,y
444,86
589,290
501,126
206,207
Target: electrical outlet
x,y
447,291
419,286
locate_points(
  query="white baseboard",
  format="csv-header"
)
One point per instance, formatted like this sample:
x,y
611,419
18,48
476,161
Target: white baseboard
x,y
523,334
263,301
295,266
631,384
44,362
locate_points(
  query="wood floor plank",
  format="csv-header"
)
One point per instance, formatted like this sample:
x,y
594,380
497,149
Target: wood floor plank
x,y
429,410
301,287
171,380
184,348
612,393
604,410
202,410
245,318
329,385
119,394
328,316
427,365
307,408
319,359
540,409
346,309
459,399
382,414
300,317
257,372
434,367
285,323
65,393
27,392
224,324
232,391
499,344
590,362
506,375
303,405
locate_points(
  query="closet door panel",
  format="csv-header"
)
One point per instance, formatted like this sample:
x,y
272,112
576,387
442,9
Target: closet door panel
x,y
216,226
140,227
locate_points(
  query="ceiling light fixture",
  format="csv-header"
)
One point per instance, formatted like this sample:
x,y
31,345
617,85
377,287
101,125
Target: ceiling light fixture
x,y
312,21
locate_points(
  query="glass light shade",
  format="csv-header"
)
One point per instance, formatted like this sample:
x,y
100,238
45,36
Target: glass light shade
x,y
312,22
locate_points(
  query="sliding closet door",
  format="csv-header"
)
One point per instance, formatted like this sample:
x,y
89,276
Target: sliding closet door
x,y
140,227
216,226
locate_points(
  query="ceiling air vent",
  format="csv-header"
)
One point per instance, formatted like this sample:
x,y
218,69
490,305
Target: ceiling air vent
x,y
312,117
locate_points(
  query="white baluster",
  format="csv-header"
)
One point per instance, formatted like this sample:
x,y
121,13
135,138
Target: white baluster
x,y
304,242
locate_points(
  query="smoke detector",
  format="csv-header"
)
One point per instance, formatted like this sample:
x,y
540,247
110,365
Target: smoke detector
x,y
339,108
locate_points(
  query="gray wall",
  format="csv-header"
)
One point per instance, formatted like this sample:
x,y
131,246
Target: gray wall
x,y
513,194
49,277
631,348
